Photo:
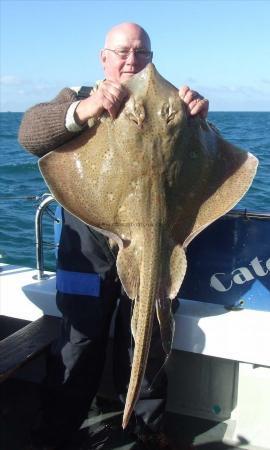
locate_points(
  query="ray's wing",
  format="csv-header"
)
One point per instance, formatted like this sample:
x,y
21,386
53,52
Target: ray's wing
x,y
216,175
213,175
84,176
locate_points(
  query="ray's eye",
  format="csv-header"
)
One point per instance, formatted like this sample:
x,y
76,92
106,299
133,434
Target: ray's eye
x,y
170,116
168,112
135,112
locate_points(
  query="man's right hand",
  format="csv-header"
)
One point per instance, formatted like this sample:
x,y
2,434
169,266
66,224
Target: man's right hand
x,y
108,97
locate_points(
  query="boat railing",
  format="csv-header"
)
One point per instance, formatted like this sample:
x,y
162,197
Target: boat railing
x,y
46,201
248,214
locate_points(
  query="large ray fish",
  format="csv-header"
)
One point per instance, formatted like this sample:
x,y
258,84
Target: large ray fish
x,y
151,179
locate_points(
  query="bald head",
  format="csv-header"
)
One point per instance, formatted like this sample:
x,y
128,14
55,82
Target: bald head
x,y
127,51
126,29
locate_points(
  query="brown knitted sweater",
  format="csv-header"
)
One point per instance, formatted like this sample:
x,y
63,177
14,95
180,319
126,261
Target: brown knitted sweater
x,y
43,126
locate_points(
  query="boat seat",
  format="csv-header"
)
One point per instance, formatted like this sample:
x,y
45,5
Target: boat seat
x,y
22,346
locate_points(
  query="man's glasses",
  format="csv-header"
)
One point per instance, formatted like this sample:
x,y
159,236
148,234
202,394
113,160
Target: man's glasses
x,y
125,52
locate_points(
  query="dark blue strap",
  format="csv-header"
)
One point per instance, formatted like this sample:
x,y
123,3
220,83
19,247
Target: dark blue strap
x,y
78,283
84,92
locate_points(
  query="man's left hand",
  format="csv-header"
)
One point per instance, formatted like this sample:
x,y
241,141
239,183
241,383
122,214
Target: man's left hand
x,y
196,103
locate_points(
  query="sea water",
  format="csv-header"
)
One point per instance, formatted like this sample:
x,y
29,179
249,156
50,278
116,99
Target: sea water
x,y
21,182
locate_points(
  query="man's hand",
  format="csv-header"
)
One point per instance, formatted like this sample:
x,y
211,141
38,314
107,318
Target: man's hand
x,y
108,97
195,102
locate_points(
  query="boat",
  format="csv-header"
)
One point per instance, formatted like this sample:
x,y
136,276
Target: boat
x,y
219,369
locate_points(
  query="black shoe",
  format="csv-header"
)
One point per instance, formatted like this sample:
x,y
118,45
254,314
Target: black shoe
x,y
158,441
109,436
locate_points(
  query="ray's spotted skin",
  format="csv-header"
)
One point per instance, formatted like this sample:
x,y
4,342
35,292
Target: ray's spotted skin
x,y
150,179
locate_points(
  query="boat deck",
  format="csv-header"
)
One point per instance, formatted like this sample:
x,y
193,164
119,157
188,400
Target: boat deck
x,y
221,357
19,406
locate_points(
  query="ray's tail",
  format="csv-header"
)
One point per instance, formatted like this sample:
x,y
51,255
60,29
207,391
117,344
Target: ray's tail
x,y
149,281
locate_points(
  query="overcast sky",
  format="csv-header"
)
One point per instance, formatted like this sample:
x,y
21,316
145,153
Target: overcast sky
x,y
221,48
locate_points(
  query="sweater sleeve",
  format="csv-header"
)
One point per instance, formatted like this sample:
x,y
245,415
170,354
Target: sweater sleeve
x,y
43,126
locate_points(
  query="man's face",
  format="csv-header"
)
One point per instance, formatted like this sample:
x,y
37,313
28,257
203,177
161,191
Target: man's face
x,y
126,38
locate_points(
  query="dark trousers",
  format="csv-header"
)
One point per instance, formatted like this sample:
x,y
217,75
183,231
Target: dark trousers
x,y
76,361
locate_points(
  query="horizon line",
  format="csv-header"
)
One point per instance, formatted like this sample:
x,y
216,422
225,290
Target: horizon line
x,y
211,111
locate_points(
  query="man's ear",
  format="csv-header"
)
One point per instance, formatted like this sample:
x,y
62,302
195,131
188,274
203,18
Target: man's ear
x,y
102,57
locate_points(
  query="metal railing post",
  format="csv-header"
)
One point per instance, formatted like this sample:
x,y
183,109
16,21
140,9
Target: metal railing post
x,y
48,199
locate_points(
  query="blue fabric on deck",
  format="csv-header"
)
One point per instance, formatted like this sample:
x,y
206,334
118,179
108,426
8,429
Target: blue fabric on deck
x,y
229,263
78,283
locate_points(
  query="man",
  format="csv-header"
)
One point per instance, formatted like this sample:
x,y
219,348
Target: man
x,y
76,361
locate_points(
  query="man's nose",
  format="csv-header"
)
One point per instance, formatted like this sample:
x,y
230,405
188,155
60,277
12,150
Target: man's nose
x,y
131,57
